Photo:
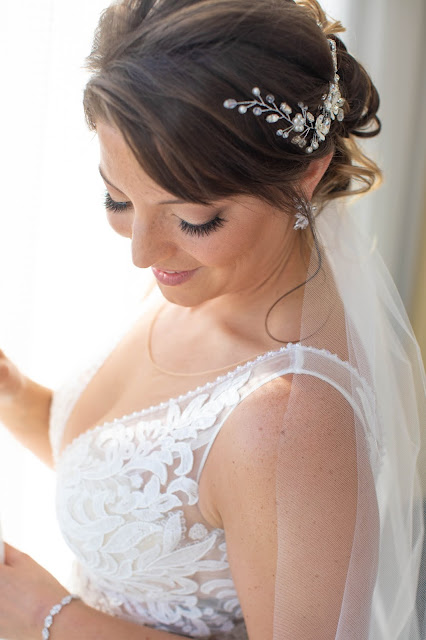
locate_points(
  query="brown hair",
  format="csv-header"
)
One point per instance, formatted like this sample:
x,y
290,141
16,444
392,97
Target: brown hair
x,y
163,68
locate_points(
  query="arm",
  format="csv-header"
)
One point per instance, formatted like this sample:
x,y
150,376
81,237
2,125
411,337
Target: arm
x,y
24,409
317,467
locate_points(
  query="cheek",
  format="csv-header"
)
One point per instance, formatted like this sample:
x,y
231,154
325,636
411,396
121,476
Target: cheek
x,y
121,223
226,247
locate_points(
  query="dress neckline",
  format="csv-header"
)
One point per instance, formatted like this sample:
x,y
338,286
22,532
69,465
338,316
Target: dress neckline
x,y
142,413
238,370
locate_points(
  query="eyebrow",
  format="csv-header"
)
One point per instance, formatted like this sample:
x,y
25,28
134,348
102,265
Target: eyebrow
x,y
177,201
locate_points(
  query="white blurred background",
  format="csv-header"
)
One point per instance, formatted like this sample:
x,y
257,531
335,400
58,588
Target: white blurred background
x,y
66,279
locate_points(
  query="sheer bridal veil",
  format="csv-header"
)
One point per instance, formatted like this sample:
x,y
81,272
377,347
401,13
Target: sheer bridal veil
x,y
358,374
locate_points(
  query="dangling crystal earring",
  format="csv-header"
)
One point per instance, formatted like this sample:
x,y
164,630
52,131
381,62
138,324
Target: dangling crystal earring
x,y
302,220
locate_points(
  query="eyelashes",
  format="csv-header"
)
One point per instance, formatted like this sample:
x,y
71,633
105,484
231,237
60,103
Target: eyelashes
x,y
112,205
198,230
202,229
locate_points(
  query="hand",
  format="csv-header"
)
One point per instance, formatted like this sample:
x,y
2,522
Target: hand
x,y
12,381
27,593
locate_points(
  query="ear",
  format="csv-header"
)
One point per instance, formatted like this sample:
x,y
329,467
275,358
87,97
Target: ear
x,y
314,173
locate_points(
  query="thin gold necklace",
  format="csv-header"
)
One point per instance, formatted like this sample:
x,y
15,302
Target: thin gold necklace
x,y
176,373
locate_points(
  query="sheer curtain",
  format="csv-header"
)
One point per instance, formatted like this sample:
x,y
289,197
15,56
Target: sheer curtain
x,y
65,277
66,280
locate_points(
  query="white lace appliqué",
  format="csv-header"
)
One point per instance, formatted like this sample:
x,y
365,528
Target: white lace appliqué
x,y
127,506
127,498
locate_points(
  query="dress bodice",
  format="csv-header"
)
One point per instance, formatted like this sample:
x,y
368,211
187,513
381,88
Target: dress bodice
x,y
127,500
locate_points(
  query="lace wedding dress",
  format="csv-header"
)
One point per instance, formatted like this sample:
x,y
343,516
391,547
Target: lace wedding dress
x,y
127,498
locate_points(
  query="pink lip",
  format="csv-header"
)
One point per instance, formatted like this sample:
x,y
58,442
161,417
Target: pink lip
x,y
172,279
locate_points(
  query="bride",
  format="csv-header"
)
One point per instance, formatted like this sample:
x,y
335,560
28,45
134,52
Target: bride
x,y
241,462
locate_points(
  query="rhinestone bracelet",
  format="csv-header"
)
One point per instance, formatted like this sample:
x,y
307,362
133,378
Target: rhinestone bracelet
x,y
45,634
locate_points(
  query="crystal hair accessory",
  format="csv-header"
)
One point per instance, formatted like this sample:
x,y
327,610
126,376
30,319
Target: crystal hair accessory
x,y
304,122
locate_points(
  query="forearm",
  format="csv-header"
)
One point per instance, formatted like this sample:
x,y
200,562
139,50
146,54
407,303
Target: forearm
x,y
77,620
26,416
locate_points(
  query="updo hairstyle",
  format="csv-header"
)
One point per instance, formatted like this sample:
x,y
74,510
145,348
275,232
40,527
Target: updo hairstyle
x,y
161,70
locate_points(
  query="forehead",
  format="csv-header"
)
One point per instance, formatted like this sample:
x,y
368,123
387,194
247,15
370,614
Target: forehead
x,y
112,142
120,168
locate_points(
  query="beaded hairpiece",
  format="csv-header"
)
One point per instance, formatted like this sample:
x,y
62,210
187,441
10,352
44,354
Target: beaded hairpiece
x,y
304,122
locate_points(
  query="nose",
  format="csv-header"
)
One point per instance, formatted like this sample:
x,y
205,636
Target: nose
x,y
149,244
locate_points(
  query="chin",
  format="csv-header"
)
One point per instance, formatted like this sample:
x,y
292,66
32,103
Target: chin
x,y
188,298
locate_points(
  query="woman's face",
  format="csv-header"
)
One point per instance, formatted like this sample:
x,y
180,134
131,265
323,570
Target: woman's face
x,y
237,246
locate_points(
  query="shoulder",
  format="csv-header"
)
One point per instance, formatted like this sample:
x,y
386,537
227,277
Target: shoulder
x,y
255,424
298,418
292,411
287,459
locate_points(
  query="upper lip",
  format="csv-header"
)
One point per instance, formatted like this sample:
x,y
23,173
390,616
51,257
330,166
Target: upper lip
x,y
172,270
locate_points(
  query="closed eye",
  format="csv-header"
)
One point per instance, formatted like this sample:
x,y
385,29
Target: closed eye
x,y
116,207
202,229
199,230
